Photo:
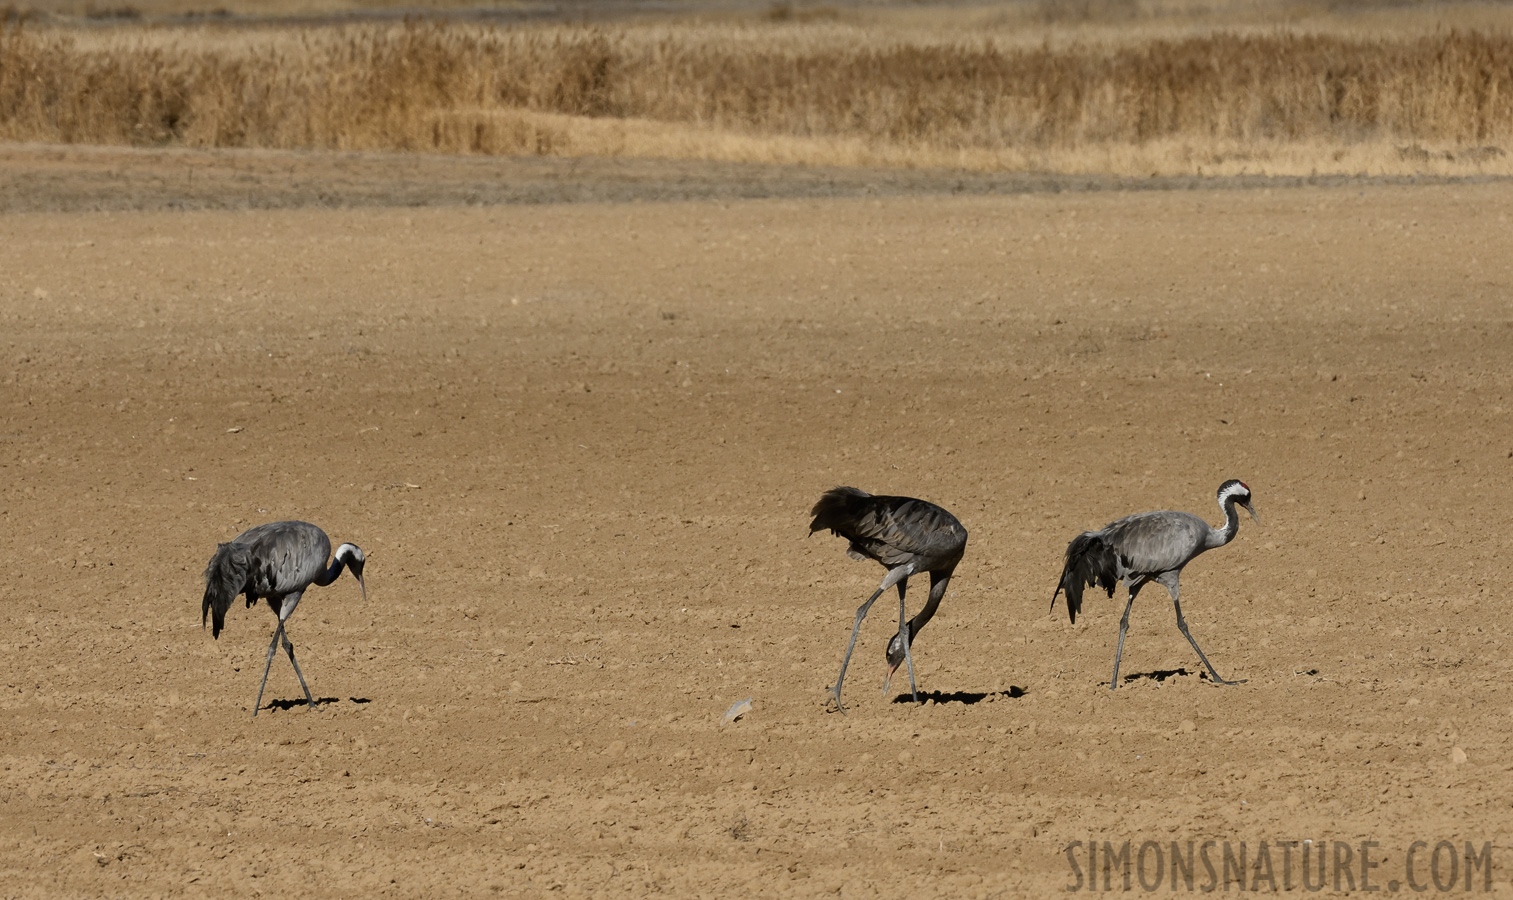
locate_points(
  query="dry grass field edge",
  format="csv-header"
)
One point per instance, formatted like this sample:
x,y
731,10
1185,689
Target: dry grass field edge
x,y
49,178
1224,103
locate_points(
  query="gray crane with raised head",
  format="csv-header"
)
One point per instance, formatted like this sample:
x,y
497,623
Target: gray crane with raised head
x,y
1145,547
274,562
907,536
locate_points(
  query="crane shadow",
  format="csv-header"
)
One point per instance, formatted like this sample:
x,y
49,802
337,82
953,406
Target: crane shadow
x,y
965,698
286,705
1157,675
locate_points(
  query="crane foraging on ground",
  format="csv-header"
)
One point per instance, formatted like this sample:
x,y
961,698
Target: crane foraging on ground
x,y
1145,547
907,536
274,562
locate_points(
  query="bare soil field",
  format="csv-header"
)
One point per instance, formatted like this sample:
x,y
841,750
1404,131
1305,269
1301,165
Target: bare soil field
x,y
579,443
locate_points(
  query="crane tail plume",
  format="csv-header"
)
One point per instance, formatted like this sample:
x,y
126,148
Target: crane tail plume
x,y
225,577
839,509
1089,561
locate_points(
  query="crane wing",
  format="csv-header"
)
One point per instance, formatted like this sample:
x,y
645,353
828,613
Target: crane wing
x,y
1155,542
286,556
914,528
891,530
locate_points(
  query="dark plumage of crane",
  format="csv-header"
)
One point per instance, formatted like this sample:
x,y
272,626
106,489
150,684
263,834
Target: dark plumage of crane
x,y
274,562
1145,547
907,536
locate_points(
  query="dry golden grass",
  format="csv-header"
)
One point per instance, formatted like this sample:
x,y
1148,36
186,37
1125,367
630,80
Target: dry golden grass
x,y
786,88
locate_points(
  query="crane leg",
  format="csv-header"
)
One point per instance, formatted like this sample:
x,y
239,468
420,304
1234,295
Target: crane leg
x,y
893,577
1182,626
289,649
272,649
1113,684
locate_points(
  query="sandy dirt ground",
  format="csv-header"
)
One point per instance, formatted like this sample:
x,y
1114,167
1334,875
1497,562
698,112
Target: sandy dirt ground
x,y
579,443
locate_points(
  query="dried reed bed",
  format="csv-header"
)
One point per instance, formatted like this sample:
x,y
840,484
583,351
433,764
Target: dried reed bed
x,y
1225,101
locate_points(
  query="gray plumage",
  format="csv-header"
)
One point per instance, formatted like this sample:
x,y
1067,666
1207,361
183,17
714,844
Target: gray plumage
x,y
274,562
905,535
1146,547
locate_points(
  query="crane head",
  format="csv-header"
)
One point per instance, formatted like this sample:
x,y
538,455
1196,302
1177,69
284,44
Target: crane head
x,y
895,656
352,555
1239,491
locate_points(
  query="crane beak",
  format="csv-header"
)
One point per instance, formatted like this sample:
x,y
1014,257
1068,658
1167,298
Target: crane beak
x,y
362,584
888,680
1252,510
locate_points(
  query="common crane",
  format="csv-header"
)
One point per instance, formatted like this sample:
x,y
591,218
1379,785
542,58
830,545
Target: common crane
x,y
1145,547
274,562
907,536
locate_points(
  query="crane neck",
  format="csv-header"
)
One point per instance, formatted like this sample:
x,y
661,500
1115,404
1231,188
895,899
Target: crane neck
x,y
1218,537
331,574
937,592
